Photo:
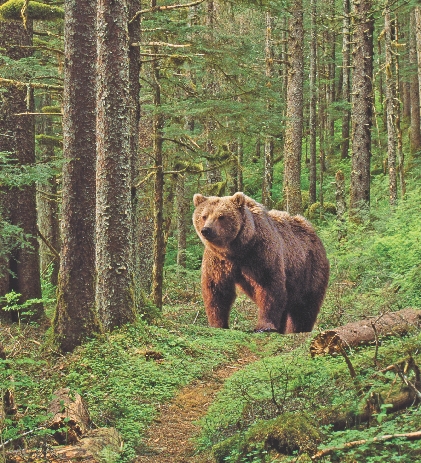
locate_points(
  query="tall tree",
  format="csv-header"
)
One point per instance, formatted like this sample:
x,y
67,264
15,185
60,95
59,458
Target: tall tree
x,y
269,141
134,77
313,104
294,115
75,318
346,78
415,133
362,107
114,260
17,138
390,105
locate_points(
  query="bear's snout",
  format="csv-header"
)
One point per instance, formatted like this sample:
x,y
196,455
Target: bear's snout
x,y
207,232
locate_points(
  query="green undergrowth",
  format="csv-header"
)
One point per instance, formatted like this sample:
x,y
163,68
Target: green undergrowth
x,y
284,407
124,376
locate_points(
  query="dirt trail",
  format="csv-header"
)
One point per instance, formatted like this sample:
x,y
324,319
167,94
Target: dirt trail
x,y
169,437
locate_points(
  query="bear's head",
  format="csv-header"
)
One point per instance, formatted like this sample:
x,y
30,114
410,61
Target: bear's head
x,y
218,221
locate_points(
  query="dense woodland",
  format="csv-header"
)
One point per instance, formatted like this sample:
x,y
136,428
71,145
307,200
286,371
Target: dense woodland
x,y
112,115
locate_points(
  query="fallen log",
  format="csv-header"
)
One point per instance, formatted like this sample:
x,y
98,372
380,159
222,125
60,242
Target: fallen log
x,y
70,416
365,331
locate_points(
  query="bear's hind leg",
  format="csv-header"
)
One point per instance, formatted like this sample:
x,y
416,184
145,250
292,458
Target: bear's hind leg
x,y
299,319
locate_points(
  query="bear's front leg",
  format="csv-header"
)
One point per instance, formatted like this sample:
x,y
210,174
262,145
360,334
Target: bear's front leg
x,y
218,289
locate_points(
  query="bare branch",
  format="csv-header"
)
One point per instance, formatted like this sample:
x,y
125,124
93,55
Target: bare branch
x,y
348,445
15,83
164,8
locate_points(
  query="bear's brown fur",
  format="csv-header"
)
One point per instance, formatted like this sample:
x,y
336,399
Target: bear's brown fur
x,y
276,259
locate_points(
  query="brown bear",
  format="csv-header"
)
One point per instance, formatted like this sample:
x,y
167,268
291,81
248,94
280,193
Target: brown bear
x,y
274,258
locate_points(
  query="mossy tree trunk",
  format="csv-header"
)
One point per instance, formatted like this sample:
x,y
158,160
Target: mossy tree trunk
x,y
20,271
390,105
346,78
269,141
362,108
415,132
134,73
294,116
313,105
114,260
48,207
75,318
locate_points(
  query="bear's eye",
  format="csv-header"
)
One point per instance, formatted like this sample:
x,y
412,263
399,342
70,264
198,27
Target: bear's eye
x,y
221,217
204,217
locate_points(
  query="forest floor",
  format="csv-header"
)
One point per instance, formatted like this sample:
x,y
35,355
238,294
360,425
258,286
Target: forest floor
x,y
170,437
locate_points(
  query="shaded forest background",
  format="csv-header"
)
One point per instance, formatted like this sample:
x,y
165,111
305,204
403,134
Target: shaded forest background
x,y
113,114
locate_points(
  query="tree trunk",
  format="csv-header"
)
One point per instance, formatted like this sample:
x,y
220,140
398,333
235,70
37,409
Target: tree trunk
x,y
415,132
362,108
159,239
340,204
365,331
269,142
294,116
390,108
313,105
134,74
75,318
346,78
114,292
182,208
18,205
48,208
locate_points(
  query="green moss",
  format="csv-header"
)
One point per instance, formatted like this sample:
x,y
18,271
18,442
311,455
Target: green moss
x,y
36,10
314,209
286,434
51,109
48,140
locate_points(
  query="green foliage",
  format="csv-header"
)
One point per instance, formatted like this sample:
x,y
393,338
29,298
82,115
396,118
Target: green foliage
x,y
12,9
11,302
280,403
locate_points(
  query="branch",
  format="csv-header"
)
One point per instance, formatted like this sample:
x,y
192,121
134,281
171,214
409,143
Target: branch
x,y
38,114
159,44
49,246
43,47
348,445
164,8
20,436
15,83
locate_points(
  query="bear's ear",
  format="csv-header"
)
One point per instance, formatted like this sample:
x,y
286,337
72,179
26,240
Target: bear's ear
x,y
198,199
239,199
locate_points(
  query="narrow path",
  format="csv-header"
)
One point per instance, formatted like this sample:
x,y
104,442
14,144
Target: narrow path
x,y
169,437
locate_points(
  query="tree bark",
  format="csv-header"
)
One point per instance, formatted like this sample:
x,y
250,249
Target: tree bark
x,y
365,331
269,142
48,208
313,105
20,272
346,78
340,204
114,290
415,132
390,107
294,116
362,108
134,134
75,318
159,238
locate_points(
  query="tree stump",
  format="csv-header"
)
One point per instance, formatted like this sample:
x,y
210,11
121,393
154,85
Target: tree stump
x,y
70,416
365,331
